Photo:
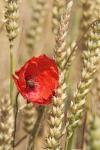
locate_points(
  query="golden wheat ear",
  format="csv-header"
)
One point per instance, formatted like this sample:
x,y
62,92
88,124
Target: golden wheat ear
x,y
12,26
91,57
97,9
90,13
29,117
56,114
57,11
6,124
11,17
33,35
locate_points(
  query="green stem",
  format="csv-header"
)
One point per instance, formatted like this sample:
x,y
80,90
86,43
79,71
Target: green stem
x,y
15,114
11,72
35,131
69,143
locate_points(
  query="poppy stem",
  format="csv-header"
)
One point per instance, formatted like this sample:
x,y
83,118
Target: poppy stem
x,y
15,113
35,131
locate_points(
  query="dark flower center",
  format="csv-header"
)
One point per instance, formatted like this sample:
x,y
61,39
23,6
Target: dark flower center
x,y
30,83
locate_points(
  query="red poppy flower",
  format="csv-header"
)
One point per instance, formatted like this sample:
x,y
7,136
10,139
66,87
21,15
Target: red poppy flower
x,y
37,79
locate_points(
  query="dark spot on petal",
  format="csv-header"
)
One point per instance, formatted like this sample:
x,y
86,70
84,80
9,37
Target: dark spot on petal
x,y
30,83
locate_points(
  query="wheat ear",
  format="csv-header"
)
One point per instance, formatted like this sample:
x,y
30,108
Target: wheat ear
x,y
29,117
6,124
90,59
87,11
36,26
97,9
57,108
57,11
86,18
95,93
11,16
96,85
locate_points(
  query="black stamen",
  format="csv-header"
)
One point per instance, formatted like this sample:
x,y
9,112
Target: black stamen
x,y
30,83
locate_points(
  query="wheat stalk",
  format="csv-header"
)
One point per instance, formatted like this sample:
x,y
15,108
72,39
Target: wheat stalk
x,y
90,59
6,124
57,108
11,17
36,26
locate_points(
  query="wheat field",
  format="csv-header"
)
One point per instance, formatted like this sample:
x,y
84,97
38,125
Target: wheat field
x,y
53,102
